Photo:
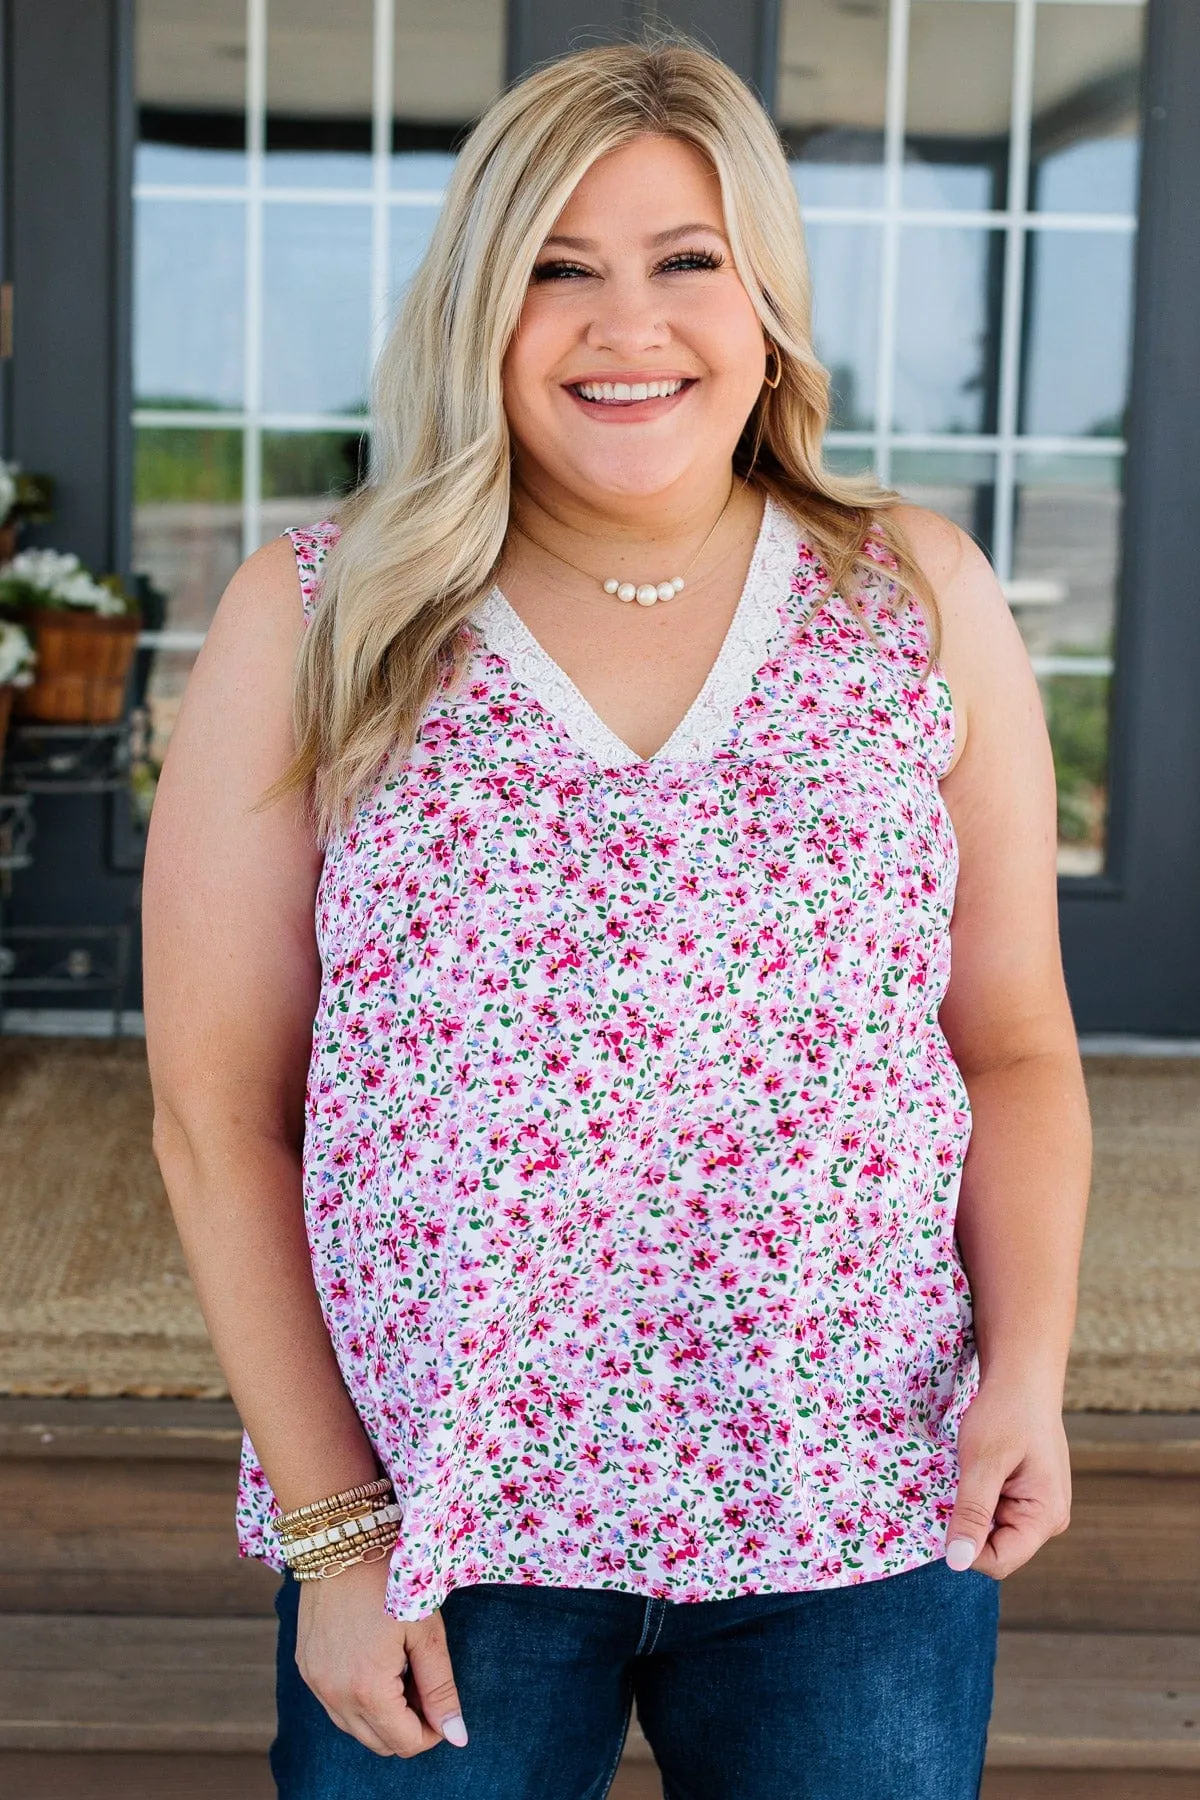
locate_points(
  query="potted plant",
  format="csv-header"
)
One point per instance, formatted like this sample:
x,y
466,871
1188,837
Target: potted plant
x,y
17,659
84,632
23,499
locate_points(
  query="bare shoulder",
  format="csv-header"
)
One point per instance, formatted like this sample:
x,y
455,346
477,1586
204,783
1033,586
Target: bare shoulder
x,y
974,609
234,728
264,596
957,569
983,655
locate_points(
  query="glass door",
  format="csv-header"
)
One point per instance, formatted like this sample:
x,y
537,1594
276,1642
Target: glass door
x,y
289,164
968,171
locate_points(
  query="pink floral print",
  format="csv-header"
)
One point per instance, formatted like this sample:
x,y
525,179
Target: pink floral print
x,y
633,1143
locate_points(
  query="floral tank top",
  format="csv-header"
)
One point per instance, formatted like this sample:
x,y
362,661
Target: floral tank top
x,y
633,1143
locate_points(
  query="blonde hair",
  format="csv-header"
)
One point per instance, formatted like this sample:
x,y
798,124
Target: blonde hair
x,y
421,541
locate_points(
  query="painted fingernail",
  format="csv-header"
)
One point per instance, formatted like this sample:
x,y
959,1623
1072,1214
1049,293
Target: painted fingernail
x,y
960,1553
454,1729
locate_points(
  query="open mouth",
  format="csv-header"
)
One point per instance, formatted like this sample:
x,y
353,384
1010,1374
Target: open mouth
x,y
628,393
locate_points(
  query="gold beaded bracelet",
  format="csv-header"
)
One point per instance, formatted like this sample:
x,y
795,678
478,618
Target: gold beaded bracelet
x,y
325,1537
349,1516
319,1512
320,1565
344,1532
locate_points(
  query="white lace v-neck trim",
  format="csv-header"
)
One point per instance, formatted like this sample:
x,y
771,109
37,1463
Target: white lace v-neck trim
x,y
758,622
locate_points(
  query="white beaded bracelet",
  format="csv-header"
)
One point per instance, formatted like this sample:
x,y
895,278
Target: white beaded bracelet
x,y
343,1533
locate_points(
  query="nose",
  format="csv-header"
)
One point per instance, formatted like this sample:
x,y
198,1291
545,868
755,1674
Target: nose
x,y
629,318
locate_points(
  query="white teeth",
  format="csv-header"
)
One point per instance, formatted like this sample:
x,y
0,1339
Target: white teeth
x,y
629,391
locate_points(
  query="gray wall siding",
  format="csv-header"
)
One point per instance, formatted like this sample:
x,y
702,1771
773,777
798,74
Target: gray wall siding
x,y
70,123
70,130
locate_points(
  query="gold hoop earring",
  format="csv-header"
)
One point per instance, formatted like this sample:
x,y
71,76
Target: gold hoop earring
x,y
773,350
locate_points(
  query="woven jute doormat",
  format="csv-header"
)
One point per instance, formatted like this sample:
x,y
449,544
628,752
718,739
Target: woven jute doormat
x,y
95,1298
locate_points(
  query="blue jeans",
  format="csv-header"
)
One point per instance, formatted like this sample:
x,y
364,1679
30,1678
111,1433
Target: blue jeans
x,y
876,1692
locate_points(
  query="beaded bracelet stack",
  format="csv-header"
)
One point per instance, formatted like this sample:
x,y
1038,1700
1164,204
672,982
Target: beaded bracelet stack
x,y
327,1536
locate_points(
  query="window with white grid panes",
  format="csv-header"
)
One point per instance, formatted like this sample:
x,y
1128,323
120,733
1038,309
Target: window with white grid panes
x,y
968,175
968,172
291,158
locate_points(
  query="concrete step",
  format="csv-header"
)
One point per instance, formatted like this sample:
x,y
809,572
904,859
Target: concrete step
x,y
126,1507
1074,1700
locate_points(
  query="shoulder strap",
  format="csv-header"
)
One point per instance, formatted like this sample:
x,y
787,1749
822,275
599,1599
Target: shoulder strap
x,y
311,544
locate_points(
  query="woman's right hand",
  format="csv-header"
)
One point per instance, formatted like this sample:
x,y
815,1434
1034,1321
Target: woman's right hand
x,y
388,1682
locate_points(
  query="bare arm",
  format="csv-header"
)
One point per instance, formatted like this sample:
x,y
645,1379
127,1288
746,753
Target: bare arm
x,y
231,989
232,980
1008,1021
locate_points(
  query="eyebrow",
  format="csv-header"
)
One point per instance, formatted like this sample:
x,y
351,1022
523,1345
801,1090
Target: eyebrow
x,y
660,237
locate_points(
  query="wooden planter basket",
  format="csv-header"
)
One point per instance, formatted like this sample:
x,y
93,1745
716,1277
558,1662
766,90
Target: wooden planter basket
x,y
83,663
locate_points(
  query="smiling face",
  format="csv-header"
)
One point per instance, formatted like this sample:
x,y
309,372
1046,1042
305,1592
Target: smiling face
x,y
638,356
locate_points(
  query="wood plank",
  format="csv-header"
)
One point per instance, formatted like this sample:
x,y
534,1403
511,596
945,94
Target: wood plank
x,y
1070,1700
1087,1784
167,1430
34,1775
122,1535
1096,1701
1134,1443
246,1590
1130,1561
46,1775
91,1683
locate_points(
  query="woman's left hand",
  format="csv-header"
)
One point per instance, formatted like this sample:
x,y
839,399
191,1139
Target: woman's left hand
x,y
1014,1488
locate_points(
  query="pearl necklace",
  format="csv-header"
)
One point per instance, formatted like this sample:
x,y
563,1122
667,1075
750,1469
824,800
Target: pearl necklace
x,y
646,593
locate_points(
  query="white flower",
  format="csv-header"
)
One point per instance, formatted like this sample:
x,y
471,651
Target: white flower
x,y
8,488
60,574
43,568
16,656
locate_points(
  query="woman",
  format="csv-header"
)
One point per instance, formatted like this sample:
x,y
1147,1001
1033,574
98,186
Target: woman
x,y
630,760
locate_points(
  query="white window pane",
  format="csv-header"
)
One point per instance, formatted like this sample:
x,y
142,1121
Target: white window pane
x,y
1086,108
947,329
959,113
412,227
1067,551
187,517
449,66
305,474
316,308
832,90
190,79
845,262
1080,311
318,128
189,271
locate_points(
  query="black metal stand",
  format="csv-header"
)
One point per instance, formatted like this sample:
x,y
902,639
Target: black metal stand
x,y
42,761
